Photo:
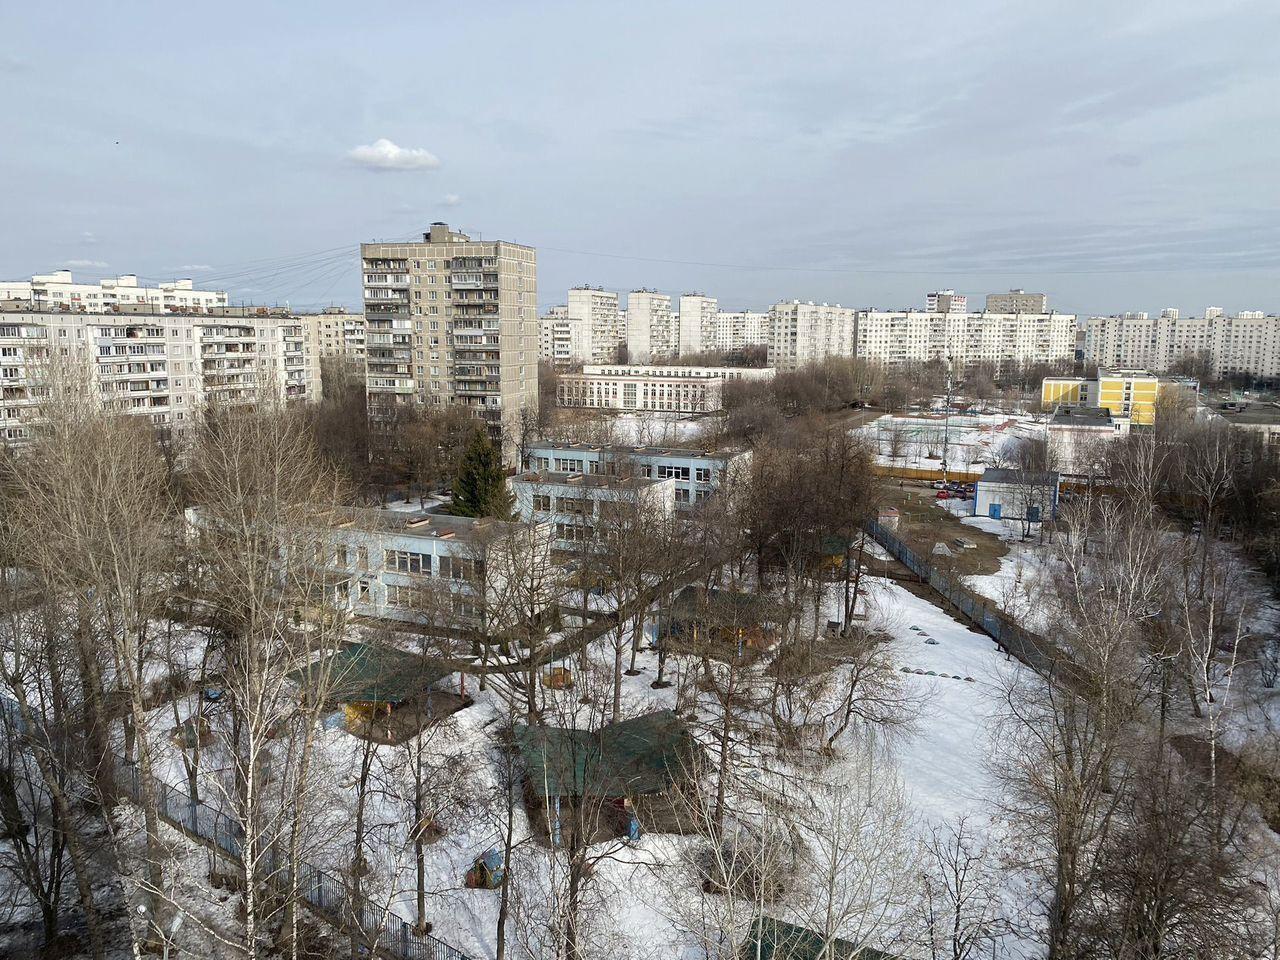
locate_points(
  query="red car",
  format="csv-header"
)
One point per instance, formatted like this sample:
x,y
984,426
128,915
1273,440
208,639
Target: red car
x,y
944,494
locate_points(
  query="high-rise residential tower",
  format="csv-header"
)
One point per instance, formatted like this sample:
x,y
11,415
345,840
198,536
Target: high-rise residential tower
x,y
698,314
452,320
651,334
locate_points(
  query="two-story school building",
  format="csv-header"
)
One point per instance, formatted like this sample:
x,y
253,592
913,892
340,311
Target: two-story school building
x,y
425,567
697,473
581,507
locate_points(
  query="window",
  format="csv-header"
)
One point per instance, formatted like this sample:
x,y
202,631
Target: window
x,y
682,495
342,555
402,561
666,471
542,501
703,474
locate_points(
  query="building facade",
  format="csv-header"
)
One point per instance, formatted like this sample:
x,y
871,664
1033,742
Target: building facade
x,y
1017,301
432,568
697,474
1001,340
166,367
660,389
946,301
698,322
803,333
1076,437
1134,395
736,330
58,291
653,334
1247,344
583,508
453,320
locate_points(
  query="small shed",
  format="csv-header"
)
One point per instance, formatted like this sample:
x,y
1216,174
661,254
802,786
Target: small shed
x,y
626,774
379,688
772,939
733,620
1017,495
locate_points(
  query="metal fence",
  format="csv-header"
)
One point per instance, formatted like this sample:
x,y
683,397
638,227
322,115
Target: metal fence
x,y
379,929
1024,645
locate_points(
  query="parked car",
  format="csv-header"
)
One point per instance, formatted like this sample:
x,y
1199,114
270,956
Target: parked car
x,y
944,495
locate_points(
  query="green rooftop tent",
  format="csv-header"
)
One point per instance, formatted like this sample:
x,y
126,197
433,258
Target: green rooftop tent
x,y
365,673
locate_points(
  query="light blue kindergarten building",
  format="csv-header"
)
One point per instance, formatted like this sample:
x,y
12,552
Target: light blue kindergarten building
x,y
697,473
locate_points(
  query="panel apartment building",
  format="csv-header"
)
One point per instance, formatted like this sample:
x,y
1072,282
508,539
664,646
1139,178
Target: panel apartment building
x,y
802,333
653,333
452,320
1002,340
166,367
587,329
1247,344
58,291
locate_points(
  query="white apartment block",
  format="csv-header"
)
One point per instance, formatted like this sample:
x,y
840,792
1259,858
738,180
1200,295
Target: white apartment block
x,y
736,330
965,339
335,333
802,333
650,388
453,320
166,367
553,336
58,291
698,316
586,508
1017,301
1247,344
652,333
596,333
946,301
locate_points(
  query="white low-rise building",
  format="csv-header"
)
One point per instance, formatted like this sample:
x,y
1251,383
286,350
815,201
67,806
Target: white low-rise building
x,y
584,508
1077,437
668,389
1016,495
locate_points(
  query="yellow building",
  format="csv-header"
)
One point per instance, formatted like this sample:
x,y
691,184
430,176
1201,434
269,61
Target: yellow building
x,y
1125,393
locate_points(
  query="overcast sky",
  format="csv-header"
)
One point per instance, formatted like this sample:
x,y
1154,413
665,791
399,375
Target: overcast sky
x,y
1117,155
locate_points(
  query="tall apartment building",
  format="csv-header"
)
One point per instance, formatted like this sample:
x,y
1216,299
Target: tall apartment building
x,y
1017,301
1247,344
738,329
166,367
453,320
592,327
652,335
698,316
58,291
946,301
335,333
553,336
1003,340
801,333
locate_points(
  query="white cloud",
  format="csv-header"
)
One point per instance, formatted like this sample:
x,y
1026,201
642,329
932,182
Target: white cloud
x,y
195,267
85,263
451,200
385,155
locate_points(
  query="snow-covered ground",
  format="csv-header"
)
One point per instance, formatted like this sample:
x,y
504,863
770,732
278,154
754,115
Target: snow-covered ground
x,y
971,440
943,757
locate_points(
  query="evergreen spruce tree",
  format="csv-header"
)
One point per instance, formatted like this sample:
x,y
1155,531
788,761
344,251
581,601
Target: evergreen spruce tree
x,y
481,487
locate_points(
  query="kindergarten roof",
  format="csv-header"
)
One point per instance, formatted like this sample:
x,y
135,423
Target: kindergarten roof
x,y
775,940
367,673
637,756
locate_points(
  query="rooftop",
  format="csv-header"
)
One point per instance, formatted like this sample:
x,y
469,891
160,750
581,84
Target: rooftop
x,y
1080,416
368,673
586,480
996,475
418,523
643,755
621,450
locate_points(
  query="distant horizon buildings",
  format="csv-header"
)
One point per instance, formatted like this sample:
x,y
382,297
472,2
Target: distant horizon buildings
x,y
59,291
